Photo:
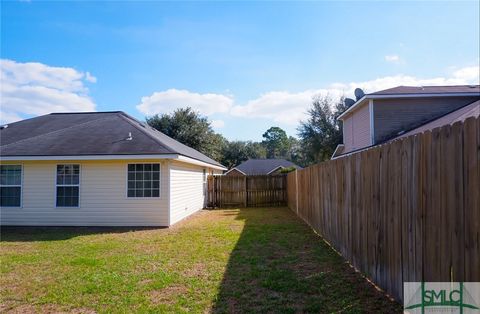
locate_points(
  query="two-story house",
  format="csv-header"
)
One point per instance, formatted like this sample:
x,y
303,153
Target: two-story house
x,y
384,115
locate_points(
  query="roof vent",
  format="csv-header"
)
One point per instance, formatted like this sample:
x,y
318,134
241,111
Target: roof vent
x,y
3,126
129,138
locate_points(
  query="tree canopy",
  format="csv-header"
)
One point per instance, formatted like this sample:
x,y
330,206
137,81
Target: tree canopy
x,y
321,132
236,152
319,136
276,142
190,128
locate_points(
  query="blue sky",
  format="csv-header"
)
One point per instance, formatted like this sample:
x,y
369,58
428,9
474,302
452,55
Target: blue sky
x,y
247,66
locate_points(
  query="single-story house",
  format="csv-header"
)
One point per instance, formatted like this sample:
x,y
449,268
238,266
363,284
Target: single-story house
x,y
385,115
260,167
97,169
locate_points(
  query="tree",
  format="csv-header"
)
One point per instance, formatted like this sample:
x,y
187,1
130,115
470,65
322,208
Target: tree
x,y
190,128
236,152
276,142
322,132
296,153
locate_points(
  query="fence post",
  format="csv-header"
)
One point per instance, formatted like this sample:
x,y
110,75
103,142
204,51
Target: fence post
x,y
296,191
246,190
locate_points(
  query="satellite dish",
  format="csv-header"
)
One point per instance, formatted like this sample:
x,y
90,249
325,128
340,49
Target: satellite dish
x,y
349,102
359,93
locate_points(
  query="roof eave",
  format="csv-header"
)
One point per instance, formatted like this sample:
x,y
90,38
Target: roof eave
x,y
235,168
275,169
114,157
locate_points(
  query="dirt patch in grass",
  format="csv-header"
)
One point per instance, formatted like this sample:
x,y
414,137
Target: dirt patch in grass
x,y
198,270
167,295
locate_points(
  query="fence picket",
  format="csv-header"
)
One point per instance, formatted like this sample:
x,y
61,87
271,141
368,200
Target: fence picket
x,y
408,210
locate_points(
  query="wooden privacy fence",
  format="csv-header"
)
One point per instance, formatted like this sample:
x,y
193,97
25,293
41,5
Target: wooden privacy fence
x,y
247,191
404,211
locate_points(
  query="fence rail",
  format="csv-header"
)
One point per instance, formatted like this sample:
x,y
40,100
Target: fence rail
x,y
404,211
247,191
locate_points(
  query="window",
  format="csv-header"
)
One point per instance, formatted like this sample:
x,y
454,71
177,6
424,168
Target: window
x,y
143,180
10,185
68,185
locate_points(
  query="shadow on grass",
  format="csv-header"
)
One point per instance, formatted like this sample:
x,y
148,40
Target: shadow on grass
x,y
280,265
32,234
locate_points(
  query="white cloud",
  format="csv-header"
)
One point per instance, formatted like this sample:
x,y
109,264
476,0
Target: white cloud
x,y
218,124
31,89
280,106
89,77
470,74
171,99
289,108
392,58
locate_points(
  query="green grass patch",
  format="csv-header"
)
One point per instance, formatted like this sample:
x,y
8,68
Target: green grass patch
x,y
221,261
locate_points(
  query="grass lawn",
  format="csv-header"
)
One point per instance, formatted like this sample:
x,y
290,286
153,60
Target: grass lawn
x,y
248,260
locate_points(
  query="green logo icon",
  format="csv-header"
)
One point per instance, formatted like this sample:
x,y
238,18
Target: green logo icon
x,y
431,297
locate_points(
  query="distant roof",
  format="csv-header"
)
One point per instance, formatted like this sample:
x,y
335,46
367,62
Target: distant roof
x,y
416,91
453,89
89,133
263,166
471,110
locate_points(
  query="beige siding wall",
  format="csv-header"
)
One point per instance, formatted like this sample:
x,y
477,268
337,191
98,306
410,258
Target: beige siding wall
x,y
103,200
186,190
394,115
356,129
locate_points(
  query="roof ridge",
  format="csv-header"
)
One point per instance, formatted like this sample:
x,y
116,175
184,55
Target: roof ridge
x,y
53,132
129,119
85,112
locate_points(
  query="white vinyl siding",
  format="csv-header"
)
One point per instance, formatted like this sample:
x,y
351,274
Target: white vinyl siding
x,y
186,190
102,194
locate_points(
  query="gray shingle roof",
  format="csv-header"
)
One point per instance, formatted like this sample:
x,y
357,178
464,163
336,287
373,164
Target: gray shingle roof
x,y
263,166
453,89
90,133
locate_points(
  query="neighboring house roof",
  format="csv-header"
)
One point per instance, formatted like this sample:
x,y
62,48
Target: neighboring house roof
x,y
471,110
413,92
263,166
429,90
89,133
458,115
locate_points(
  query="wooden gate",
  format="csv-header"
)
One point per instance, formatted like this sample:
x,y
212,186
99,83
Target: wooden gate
x,y
247,191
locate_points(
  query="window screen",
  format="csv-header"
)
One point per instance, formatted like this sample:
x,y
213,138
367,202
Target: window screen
x,y
143,180
10,185
68,185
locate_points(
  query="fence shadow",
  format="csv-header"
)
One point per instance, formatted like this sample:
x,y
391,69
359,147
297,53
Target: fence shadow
x,y
280,265
29,234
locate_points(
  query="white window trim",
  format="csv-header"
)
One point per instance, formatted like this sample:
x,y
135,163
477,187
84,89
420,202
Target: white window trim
x,y
10,185
78,185
159,181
